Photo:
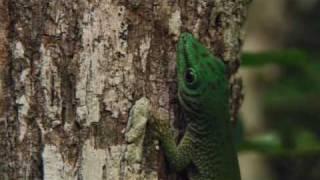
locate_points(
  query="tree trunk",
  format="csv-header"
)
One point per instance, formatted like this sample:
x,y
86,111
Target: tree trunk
x,y
71,71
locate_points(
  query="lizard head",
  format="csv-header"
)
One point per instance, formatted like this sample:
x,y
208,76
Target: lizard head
x,y
202,83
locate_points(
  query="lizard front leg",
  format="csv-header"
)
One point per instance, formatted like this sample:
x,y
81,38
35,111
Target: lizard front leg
x,y
178,156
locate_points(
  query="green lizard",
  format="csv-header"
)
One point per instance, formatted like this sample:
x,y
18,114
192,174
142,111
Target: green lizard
x,y
206,150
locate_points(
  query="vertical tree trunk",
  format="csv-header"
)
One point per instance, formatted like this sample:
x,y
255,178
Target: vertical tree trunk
x,y
71,71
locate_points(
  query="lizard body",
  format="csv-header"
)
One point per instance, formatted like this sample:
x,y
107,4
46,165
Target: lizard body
x,y
206,149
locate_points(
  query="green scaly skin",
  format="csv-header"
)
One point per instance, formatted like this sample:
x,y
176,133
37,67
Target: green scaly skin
x,y
207,149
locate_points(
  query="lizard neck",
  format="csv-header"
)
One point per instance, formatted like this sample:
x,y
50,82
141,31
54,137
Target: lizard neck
x,y
208,124
209,120
216,136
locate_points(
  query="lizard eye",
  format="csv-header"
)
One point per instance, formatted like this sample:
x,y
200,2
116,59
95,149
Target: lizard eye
x,y
190,76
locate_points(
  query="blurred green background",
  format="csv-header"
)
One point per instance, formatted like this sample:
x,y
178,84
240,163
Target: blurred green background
x,y
280,115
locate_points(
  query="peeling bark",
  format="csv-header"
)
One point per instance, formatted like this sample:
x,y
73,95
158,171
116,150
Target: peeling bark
x,y
71,71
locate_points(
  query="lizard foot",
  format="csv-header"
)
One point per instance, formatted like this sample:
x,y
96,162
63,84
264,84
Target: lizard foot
x,y
160,124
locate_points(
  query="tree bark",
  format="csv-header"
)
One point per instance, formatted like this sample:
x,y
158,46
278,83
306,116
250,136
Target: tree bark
x,y
72,70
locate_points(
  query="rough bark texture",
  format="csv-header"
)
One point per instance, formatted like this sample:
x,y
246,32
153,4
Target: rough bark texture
x,y
71,70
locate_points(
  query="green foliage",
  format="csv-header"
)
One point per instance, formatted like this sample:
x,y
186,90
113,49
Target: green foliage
x,y
284,58
302,143
290,101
